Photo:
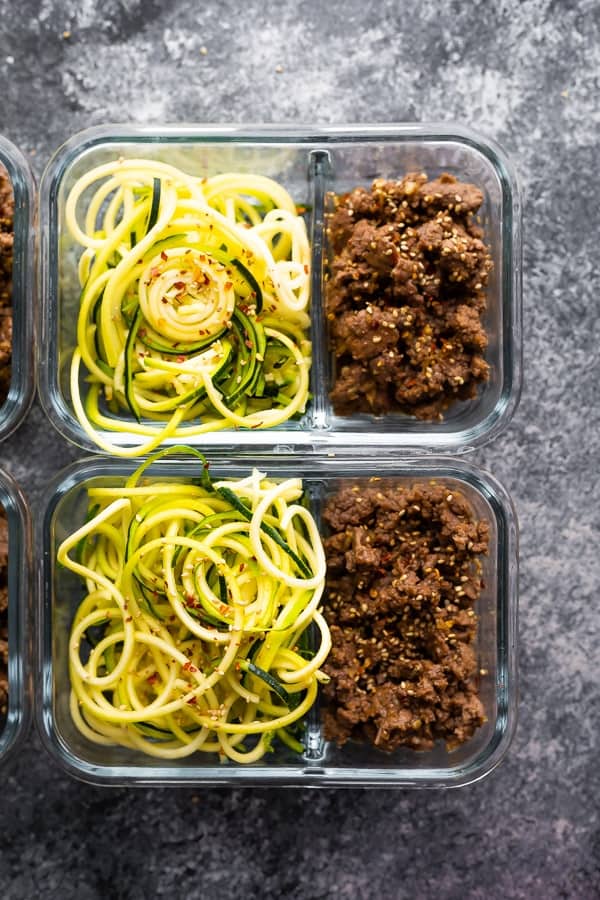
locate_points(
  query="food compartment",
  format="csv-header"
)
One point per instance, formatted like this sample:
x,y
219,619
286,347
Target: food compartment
x,y
17,212
15,561
64,591
490,631
470,159
202,154
321,762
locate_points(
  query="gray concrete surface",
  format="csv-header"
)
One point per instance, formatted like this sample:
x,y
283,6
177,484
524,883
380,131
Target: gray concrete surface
x,y
527,73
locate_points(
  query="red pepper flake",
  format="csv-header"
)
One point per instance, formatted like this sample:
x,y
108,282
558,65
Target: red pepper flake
x,y
153,679
242,566
188,667
154,272
228,285
192,701
180,285
163,255
180,358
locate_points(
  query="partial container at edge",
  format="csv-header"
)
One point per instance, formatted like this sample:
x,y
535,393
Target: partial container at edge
x,y
16,722
21,390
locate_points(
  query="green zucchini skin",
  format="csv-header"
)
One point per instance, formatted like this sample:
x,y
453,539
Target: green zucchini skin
x,y
98,342
249,343
275,685
254,285
241,507
129,364
155,205
153,341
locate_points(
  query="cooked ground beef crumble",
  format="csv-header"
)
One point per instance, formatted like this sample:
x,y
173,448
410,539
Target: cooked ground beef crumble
x,y
403,575
405,294
6,261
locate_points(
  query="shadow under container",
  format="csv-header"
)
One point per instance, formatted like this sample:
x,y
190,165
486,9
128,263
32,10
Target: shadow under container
x,y
312,164
322,764
14,725
21,390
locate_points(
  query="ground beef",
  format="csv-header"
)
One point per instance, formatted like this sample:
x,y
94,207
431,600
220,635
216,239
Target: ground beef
x,y
405,294
403,575
3,615
6,261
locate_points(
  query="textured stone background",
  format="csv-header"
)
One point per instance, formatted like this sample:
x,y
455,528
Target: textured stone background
x,y
526,73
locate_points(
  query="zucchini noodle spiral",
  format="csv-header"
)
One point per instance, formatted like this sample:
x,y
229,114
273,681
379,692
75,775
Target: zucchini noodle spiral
x,y
199,600
193,310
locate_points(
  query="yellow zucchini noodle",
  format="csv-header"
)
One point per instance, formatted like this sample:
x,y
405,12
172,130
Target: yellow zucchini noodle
x,y
194,303
194,631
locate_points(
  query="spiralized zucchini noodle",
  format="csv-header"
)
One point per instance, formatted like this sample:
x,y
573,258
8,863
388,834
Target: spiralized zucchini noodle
x,y
193,314
197,631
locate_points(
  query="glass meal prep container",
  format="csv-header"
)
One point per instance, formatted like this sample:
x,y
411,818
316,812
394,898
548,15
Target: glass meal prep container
x,y
14,724
310,164
322,764
20,393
